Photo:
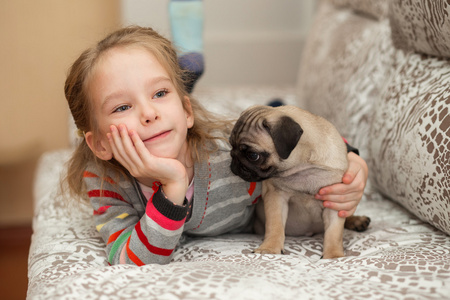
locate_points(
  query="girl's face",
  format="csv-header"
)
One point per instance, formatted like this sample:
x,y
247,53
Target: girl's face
x,y
129,86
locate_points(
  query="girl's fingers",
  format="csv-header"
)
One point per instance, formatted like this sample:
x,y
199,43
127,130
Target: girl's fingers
x,y
356,167
349,176
335,189
355,186
345,197
333,204
339,192
353,168
115,143
340,197
128,146
123,148
346,213
344,209
139,146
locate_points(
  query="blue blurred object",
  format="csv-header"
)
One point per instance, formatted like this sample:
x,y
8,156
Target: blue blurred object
x,y
276,102
186,20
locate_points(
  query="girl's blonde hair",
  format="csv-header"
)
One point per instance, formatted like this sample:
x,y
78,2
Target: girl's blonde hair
x,y
76,86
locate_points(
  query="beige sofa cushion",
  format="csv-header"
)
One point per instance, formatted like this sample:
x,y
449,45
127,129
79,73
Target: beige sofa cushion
x,y
377,9
344,68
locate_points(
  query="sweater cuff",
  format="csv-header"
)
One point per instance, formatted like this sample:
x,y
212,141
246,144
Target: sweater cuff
x,y
168,208
351,149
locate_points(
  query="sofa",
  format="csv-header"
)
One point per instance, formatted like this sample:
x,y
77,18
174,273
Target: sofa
x,y
380,72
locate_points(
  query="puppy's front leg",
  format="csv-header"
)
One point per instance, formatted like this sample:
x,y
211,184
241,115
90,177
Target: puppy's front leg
x,y
275,210
334,234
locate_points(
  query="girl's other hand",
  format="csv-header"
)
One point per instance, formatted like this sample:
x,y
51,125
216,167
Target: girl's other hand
x,y
129,150
345,197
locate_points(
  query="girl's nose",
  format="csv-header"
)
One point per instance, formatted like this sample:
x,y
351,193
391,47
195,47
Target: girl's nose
x,y
149,114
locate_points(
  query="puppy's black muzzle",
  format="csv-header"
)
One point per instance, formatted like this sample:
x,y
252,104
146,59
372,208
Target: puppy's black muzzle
x,y
242,171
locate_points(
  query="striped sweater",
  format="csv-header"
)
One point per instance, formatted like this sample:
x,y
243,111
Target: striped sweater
x,y
140,231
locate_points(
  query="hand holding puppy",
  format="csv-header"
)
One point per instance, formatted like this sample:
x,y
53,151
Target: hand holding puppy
x,y
346,196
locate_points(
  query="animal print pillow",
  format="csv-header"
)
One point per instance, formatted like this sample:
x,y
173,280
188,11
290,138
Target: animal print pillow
x,y
421,25
410,139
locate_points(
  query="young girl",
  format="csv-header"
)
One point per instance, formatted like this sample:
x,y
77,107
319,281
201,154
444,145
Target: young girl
x,y
153,163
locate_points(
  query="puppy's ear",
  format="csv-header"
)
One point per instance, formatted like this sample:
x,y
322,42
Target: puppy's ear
x,y
285,134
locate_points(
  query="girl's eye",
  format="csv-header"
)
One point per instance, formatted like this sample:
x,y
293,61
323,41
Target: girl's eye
x,y
160,94
122,108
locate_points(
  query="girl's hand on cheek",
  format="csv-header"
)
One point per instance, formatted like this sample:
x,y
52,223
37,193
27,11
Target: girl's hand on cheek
x,y
346,196
129,150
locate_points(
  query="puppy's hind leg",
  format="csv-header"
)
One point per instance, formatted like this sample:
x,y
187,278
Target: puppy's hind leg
x,y
334,234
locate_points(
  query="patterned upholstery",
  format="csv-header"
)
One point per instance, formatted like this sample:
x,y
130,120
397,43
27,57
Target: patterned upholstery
x,y
387,98
410,139
422,26
391,103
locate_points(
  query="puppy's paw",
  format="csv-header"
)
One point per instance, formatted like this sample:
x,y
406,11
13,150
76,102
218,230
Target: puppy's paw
x,y
332,255
357,223
267,250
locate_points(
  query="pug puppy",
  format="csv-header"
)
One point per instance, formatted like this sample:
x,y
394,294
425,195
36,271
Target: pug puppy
x,y
294,153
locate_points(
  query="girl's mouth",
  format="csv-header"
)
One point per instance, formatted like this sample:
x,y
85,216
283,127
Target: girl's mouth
x,y
157,136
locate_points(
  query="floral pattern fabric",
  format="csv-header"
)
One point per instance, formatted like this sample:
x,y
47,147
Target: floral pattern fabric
x,y
399,257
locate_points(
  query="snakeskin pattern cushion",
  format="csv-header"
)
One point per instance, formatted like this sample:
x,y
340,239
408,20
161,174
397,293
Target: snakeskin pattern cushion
x,y
410,139
391,103
422,26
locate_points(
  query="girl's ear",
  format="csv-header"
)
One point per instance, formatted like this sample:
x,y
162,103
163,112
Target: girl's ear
x,y
100,148
188,112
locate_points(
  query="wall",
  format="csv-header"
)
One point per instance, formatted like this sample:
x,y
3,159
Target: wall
x,y
39,41
246,42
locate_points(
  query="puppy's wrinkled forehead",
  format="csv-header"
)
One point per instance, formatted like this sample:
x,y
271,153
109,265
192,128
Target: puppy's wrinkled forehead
x,y
250,120
259,122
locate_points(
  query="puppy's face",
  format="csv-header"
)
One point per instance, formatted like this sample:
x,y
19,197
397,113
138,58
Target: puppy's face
x,y
251,160
261,140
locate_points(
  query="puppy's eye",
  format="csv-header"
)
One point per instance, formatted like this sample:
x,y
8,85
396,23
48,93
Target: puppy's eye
x,y
252,156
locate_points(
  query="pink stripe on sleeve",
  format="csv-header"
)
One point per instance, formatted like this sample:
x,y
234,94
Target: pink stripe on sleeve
x,y
162,220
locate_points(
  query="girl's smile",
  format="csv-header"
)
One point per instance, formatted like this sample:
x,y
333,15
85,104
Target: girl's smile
x,y
157,137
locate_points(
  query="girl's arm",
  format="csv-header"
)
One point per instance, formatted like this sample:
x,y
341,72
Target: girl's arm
x,y
346,196
134,234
